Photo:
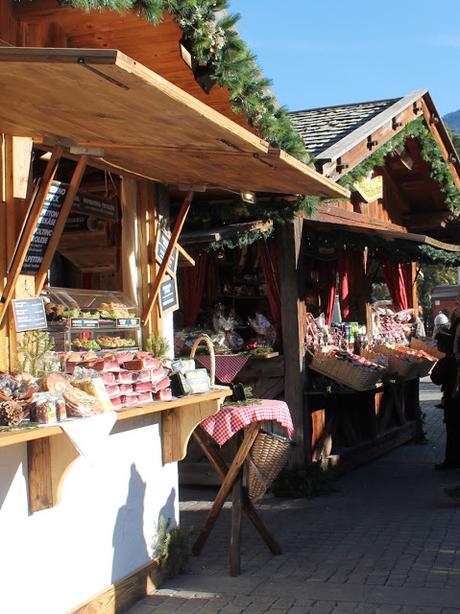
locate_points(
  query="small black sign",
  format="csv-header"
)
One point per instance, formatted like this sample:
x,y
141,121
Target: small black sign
x,y
160,251
84,323
45,227
102,209
29,314
128,322
169,299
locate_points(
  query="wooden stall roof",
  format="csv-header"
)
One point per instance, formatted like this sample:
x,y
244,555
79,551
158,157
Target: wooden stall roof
x,y
144,124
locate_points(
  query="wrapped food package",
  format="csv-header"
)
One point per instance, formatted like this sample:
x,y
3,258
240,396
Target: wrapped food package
x,y
108,378
95,387
125,377
143,386
113,390
144,397
80,404
43,408
117,402
164,395
165,383
126,388
55,383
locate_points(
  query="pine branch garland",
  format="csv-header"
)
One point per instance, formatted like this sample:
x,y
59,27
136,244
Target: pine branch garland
x,y
431,153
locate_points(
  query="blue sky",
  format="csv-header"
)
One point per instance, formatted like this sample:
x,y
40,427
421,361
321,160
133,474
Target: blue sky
x,y
327,52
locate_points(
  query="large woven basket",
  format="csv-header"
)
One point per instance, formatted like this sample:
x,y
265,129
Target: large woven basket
x,y
343,372
408,369
268,455
429,348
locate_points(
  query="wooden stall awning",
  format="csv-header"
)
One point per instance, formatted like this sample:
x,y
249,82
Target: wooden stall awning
x,y
142,123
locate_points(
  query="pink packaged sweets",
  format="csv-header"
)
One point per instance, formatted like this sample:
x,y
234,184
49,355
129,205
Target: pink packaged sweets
x,y
143,397
164,395
113,390
143,386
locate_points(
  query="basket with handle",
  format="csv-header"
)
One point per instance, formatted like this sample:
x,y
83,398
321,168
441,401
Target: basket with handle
x,y
268,455
212,355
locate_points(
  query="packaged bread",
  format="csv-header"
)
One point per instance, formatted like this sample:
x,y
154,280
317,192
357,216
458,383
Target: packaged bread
x,y
96,388
80,404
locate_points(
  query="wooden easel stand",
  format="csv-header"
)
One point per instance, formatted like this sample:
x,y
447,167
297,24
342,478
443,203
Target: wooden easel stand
x,y
232,481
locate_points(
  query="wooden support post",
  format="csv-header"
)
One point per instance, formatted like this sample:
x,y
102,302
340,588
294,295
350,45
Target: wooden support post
x,y
414,297
3,254
237,508
292,315
226,486
164,265
27,233
60,223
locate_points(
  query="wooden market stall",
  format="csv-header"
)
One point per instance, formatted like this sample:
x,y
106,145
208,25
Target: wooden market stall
x,y
103,131
397,159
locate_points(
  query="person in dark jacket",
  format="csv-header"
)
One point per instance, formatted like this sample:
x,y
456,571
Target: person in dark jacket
x,y
445,374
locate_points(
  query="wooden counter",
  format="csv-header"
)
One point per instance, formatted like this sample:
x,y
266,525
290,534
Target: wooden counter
x,y
51,452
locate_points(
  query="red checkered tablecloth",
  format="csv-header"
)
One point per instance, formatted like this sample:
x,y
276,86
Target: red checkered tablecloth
x,y
232,418
227,365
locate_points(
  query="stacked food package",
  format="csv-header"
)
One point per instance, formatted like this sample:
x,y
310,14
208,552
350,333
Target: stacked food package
x,y
90,385
129,378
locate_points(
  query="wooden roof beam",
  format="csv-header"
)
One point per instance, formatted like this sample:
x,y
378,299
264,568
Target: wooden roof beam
x,y
428,220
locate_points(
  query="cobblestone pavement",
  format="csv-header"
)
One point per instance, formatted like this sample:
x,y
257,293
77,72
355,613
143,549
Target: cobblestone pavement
x,y
387,541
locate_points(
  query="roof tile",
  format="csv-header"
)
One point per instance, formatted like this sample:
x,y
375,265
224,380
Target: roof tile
x,y
321,128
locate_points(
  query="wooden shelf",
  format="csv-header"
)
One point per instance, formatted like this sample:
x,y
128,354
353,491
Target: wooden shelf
x,y
51,452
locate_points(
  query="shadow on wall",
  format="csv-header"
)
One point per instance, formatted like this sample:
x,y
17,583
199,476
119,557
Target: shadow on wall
x,y
130,552
129,547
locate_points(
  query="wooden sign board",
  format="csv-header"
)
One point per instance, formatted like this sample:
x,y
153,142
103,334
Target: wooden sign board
x,y
44,230
101,209
168,298
29,314
370,189
160,250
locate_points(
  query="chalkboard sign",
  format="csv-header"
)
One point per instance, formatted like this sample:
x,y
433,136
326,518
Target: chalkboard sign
x,y
29,314
169,298
101,209
45,227
160,251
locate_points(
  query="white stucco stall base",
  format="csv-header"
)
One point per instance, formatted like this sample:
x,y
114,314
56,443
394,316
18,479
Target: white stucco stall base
x,y
103,529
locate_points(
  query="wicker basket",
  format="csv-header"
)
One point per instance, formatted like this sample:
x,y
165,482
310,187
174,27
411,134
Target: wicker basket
x,y
408,369
343,372
212,355
432,350
268,455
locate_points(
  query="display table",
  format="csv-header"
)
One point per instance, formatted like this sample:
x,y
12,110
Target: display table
x,y
245,422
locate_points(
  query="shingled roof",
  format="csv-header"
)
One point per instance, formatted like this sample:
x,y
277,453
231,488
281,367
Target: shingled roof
x,y
321,128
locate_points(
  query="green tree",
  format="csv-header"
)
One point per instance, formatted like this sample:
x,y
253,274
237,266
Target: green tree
x,y
432,275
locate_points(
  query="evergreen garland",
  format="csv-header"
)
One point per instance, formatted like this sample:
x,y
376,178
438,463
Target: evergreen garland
x,y
380,248
215,43
431,153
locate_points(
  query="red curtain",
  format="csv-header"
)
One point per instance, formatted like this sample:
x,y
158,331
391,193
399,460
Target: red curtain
x,y
352,281
327,279
193,284
269,262
398,278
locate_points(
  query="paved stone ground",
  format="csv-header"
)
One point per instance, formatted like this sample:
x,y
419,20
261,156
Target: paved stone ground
x,y
387,541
